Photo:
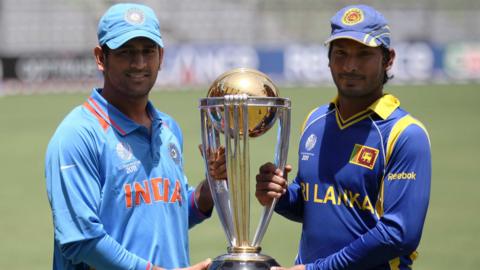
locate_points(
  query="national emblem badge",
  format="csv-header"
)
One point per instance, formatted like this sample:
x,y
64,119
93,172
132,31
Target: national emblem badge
x,y
135,16
364,156
352,16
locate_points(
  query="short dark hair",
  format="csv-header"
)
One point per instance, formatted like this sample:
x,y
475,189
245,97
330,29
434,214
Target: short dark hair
x,y
105,49
386,59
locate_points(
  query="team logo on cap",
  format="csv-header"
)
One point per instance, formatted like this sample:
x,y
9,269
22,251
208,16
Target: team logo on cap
x,y
135,16
364,156
174,153
352,16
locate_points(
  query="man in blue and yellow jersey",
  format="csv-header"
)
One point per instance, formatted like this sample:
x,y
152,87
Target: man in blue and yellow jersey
x,y
114,167
364,166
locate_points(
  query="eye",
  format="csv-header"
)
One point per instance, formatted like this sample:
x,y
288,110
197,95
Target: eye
x,y
339,53
149,50
365,53
123,52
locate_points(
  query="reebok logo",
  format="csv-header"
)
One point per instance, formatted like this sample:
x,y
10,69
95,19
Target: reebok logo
x,y
402,176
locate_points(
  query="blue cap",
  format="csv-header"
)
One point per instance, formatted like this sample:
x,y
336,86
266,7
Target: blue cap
x,y
123,22
360,23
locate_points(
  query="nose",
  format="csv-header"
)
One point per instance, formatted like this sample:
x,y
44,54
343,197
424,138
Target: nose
x,y
351,64
138,60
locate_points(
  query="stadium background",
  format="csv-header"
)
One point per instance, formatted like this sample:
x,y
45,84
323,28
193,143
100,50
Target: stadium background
x,y
46,68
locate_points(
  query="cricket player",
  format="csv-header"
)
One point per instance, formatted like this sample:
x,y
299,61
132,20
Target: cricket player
x,y
114,167
364,165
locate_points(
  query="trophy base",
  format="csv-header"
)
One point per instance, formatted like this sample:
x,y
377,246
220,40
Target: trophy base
x,y
243,261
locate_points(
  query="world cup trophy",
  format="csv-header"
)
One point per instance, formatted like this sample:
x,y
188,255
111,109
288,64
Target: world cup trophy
x,y
240,105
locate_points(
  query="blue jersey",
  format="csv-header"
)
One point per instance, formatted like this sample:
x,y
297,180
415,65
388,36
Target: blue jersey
x,y
118,192
362,188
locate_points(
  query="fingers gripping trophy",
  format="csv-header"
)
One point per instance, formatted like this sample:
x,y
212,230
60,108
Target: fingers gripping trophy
x,y
242,104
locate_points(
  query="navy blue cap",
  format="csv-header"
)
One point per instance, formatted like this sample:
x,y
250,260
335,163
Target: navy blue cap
x,y
361,23
122,22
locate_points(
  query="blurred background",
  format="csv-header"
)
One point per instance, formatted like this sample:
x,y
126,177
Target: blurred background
x,y
47,68
49,42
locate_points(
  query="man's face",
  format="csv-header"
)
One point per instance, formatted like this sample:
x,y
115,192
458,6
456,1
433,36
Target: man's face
x,y
132,69
357,70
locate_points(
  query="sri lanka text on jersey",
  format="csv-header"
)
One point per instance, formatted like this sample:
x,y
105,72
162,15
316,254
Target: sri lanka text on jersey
x,y
347,197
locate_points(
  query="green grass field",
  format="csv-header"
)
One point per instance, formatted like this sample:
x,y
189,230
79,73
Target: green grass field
x,y
451,234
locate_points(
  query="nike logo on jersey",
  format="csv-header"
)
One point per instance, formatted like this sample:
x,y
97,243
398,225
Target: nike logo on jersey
x,y
64,167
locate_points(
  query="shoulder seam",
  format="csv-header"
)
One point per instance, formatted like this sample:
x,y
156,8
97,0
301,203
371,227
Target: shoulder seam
x,y
306,119
397,129
104,124
308,123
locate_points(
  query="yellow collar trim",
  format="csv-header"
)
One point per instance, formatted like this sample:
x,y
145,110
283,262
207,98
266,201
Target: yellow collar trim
x,y
342,124
383,107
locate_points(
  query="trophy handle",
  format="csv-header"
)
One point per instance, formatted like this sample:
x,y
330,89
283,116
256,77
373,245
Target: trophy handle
x,y
218,187
280,160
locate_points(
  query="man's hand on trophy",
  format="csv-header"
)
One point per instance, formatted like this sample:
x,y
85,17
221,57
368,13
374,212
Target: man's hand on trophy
x,y
217,163
271,183
203,265
296,267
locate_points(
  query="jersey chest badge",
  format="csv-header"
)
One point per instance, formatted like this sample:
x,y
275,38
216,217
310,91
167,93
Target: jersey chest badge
x,y
124,151
309,145
311,141
364,156
174,153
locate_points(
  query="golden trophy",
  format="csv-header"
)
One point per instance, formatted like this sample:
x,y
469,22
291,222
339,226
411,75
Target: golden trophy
x,y
242,104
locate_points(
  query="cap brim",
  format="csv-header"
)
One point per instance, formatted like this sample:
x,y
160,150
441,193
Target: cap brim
x,y
115,43
359,37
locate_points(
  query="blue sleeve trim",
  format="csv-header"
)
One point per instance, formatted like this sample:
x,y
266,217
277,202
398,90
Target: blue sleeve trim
x,y
195,215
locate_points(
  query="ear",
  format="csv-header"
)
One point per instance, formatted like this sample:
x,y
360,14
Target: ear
x,y
160,57
389,63
99,58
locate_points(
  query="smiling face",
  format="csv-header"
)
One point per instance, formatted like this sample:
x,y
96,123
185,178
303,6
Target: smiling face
x,y
131,70
358,70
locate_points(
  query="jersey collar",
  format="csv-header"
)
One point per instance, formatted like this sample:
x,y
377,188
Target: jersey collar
x,y
383,107
115,118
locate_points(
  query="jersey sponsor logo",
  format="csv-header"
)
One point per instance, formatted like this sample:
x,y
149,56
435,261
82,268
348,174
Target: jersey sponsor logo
x,y
152,190
364,156
174,153
352,16
311,141
334,197
402,176
124,151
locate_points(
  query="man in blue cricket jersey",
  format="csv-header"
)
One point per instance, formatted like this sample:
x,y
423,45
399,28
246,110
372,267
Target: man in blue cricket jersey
x,y
114,167
364,167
